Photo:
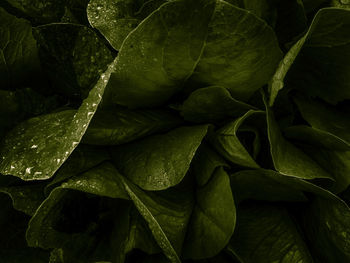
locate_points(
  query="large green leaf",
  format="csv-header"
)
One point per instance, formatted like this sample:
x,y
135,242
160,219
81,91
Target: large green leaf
x,y
227,143
266,233
159,161
162,63
113,127
323,52
19,62
36,148
241,52
212,104
161,53
213,218
167,214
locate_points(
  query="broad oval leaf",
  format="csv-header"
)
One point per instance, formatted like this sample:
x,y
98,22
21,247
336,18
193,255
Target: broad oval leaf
x,y
159,161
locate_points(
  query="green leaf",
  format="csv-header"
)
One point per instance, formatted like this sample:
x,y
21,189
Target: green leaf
x,y
213,218
35,149
327,225
19,62
163,63
212,104
325,118
287,158
167,214
323,52
113,127
116,19
65,51
227,143
266,233
159,161
241,52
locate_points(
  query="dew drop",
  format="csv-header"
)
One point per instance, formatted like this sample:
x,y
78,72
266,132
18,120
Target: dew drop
x,y
34,146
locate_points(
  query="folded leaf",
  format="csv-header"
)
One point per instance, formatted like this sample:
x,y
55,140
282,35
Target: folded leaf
x,y
159,161
227,143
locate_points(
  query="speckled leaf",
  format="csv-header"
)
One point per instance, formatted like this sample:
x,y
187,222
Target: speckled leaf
x,y
26,198
327,224
213,218
227,143
35,149
161,53
326,118
116,19
167,214
241,52
266,233
159,161
73,56
118,126
19,62
40,11
287,158
205,162
212,104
